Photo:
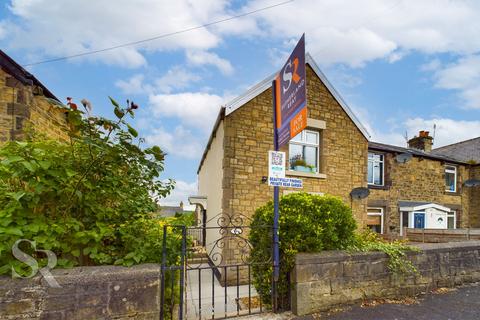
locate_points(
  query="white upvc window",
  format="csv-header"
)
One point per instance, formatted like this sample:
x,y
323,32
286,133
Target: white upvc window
x,y
452,220
376,167
304,152
450,178
375,219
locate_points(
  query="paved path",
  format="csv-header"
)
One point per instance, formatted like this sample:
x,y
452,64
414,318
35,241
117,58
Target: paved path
x,y
200,293
460,304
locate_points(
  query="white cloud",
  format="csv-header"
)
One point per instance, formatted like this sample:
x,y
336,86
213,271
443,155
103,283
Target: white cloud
x,y
69,27
356,32
196,109
134,85
447,131
175,78
432,65
199,57
181,192
464,77
180,142
343,31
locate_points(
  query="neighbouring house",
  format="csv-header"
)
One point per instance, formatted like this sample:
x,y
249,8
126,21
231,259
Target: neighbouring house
x,y
26,103
171,211
416,186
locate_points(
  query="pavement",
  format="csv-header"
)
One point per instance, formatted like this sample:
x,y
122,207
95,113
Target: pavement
x,y
462,303
206,297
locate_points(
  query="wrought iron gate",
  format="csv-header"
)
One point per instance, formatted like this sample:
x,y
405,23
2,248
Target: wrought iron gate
x,y
213,277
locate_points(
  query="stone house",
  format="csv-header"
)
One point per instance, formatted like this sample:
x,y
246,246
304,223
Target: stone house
x,y
26,103
414,186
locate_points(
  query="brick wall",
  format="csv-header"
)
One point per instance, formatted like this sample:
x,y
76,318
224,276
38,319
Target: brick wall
x,y
324,280
24,106
249,137
86,293
419,179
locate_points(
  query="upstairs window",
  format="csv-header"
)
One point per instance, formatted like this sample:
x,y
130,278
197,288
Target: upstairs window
x,y
303,152
450,179
375,169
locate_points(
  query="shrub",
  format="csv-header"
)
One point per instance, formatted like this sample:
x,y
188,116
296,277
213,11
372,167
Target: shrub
x,y
88,199
367,240
308,223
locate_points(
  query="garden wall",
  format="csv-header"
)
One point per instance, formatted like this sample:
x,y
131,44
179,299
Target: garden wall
x,y
324,280
106,292
441,235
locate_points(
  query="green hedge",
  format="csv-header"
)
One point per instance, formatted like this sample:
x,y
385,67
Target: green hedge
x,y
308,223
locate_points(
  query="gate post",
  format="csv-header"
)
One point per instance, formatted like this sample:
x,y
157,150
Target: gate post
x,y
182,269
162,272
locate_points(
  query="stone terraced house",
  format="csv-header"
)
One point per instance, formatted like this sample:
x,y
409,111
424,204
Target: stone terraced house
x,y
413,186
26,103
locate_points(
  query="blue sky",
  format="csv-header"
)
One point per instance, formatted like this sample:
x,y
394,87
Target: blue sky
x,y
402,66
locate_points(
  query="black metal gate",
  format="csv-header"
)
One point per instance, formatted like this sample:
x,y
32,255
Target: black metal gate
x,y
213,276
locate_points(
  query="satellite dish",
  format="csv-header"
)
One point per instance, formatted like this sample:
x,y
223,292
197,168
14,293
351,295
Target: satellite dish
x,y
403,157
472,183
359,193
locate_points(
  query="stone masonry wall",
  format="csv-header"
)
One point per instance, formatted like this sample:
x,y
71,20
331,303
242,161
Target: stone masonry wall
x,y
86,293
24,106
249,137
475,198
328,279
418,180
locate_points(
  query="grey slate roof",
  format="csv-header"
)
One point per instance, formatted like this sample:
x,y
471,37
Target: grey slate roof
x,y
462,151
414,152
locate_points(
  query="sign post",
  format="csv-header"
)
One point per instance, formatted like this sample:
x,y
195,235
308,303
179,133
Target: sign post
x,y
289,119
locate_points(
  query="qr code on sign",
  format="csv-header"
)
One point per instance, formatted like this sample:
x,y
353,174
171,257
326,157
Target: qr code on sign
x,y
277,159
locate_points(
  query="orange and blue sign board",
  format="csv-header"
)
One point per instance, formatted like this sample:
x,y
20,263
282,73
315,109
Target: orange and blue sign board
x,y
291,96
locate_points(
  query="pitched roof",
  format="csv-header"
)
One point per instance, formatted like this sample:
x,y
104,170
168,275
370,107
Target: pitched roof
x,y
265,84
415,152
13,68
241,100
467,150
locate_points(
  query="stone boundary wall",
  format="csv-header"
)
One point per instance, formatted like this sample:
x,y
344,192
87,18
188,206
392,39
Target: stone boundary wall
x,y
440,235
106,292
328,279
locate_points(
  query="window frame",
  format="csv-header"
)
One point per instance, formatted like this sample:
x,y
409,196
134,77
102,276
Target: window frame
x,y
383,169
454,171
304,142
376,214
452,213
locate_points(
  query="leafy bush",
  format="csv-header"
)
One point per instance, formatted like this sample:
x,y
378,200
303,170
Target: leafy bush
x,y
308,223
88,199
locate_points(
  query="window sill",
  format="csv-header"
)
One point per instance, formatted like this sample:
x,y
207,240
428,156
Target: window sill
x,y
306,174
378,187
452,193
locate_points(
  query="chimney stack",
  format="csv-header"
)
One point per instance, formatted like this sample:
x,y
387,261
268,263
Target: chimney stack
x,y
423,142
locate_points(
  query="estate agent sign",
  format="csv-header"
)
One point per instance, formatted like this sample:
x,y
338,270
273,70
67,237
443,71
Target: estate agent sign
x,y
290,118
291,96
